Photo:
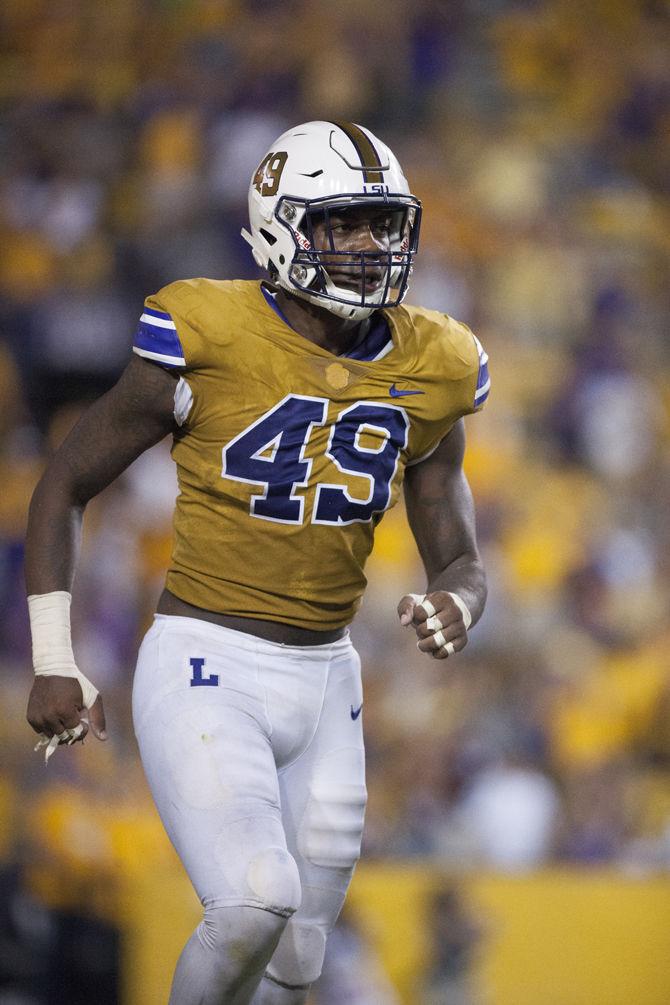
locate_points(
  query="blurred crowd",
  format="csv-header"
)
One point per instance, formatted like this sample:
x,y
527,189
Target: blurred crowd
x,y
537,134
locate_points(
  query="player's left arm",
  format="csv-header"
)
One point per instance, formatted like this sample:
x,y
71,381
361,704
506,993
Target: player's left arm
x,y
441,515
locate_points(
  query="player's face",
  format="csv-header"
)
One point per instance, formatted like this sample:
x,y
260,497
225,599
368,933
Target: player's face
x,y
355,230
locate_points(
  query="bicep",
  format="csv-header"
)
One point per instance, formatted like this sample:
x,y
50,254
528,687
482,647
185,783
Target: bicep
x,y
134,415
439,502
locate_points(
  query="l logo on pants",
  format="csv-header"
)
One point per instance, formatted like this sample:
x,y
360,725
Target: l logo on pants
x,y
197,680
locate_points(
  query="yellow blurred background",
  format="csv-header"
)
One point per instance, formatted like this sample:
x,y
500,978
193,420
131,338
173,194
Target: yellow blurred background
x,y
517,844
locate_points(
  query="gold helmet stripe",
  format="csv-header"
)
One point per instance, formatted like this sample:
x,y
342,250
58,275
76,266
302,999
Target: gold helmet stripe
x,y
370,161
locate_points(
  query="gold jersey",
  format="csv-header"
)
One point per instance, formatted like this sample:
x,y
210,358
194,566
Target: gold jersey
x,y
289,455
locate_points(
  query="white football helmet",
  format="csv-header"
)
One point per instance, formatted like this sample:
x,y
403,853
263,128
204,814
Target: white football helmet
x,y
315,170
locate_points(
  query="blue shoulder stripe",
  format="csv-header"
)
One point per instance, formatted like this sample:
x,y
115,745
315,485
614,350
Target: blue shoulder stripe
x,y
483,380
156,338
157,314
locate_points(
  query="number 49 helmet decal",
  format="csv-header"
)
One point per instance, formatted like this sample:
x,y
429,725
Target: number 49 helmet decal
x,y
318,171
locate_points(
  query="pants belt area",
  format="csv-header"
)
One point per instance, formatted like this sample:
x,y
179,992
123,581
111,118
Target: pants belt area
x,y
271,631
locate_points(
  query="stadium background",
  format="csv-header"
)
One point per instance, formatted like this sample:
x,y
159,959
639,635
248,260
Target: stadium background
x,y
518,835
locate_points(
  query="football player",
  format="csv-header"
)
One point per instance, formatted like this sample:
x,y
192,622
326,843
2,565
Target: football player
x,y
298,405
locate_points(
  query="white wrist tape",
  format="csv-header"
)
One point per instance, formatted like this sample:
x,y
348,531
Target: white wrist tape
x,y
463,607
52,642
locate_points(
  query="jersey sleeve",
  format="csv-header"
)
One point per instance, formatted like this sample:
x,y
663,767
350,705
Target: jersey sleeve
x,y
467,371
457,374
483,385
157,338
169,330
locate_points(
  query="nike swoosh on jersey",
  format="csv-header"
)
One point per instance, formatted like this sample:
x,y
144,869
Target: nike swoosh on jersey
x,y
356,712
395,393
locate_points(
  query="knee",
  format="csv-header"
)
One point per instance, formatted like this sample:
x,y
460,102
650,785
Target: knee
x,y
298,959
270,895
240,933
274,881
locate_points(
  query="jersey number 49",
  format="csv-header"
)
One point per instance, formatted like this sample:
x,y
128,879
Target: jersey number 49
x,y
270,453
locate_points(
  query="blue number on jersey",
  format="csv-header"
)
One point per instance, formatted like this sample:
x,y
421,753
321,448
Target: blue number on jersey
x,y
270,452
387,427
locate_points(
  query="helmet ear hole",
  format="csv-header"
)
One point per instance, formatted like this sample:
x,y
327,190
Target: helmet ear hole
x,y
270,238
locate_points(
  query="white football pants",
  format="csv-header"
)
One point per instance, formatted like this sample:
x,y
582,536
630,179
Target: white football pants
x,y
254,754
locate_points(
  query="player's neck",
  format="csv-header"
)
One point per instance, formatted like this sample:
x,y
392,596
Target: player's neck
x,y
320,326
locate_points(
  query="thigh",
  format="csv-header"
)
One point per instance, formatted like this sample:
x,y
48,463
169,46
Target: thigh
x,y
203,733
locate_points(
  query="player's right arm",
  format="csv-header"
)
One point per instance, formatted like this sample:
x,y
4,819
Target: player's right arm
x,y
134,415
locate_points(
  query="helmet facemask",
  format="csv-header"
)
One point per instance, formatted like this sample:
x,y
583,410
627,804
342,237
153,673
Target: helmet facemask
x,y
350,283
